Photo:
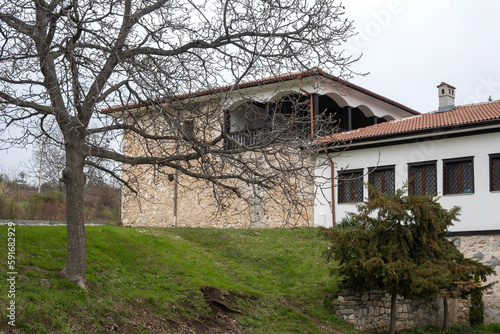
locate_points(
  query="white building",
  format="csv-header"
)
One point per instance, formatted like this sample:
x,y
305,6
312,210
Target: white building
x,y
453,152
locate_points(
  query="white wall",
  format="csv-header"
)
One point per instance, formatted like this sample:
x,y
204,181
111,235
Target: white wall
x,y
480,211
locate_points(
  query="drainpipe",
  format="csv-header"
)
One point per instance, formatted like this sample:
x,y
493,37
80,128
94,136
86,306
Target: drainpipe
x,y
311,103
176,179
175,197
331,185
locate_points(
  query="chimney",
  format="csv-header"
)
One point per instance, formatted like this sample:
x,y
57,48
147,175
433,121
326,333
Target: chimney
x,y
446,95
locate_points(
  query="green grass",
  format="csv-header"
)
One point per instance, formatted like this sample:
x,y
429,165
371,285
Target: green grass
x,y
142,278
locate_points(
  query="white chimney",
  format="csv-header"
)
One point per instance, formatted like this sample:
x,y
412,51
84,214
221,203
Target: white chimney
x,y
446,95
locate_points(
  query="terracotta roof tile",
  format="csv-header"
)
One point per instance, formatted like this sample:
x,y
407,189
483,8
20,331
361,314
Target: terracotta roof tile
x,y
270,80
461,115
444,83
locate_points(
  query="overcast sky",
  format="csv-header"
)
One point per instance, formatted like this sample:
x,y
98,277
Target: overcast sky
x,y
411,46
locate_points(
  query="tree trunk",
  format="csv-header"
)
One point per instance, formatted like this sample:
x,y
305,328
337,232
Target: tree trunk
x,y
73,176
392,328
446,320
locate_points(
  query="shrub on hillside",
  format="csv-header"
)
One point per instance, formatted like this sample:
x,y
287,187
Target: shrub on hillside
x,y
348,222
46,206
476,311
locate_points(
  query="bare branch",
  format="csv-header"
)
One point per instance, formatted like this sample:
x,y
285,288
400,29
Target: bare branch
x,y
24,104
113,174
17,24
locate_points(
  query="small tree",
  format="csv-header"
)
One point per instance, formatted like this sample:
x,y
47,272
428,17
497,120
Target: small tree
x,y
397,247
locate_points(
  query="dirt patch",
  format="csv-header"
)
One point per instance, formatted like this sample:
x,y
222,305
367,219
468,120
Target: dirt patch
x,y
140,316
223,307
220,319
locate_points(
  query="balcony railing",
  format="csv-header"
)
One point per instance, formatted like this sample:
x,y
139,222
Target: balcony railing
x,y
248,137
253,137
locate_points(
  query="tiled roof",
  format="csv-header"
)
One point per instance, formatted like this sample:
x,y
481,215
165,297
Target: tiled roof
x,y
444,83
270,80
461,116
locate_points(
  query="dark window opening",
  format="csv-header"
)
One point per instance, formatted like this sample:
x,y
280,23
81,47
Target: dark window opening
x,y
359,120
422,178
494,172
251,120
383,179
332,117
255,123
350,186
458,176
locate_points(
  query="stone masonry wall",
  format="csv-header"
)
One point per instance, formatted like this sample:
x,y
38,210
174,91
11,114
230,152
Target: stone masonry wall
x,y
197,207
371,311
485,248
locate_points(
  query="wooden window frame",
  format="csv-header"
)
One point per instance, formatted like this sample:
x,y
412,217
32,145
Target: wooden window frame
x,y
492,175
372,170
420,164
445,179
352,180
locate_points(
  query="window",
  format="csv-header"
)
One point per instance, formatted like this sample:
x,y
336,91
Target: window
x,y
458,176
382,178
350,186
494,172
188,129
422,178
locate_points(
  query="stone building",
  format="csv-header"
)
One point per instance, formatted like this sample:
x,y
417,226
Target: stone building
x,y
247,113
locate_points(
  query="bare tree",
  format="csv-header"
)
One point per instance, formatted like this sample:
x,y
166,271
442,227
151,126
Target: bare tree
x,y
62,61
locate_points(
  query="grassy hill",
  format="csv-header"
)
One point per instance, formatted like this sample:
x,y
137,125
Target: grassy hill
x,y
182,280
185,280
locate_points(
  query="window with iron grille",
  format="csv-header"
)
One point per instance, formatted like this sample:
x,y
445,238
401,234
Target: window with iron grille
x,y
350,186
494,172
422,178
458,176
382,178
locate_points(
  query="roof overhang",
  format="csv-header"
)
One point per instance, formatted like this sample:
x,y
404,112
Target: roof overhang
x,y
204,95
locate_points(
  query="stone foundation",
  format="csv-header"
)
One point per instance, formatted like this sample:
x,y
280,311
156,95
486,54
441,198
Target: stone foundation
x,y
371,311
486,249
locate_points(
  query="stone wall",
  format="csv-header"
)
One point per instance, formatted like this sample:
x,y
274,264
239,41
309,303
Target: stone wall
x,y
199,203
197,207
485,248
371,311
